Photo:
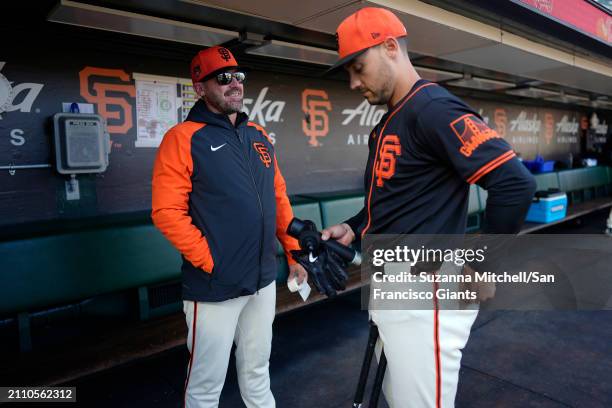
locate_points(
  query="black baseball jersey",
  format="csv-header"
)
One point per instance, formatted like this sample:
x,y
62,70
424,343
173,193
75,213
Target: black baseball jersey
x,y
423,156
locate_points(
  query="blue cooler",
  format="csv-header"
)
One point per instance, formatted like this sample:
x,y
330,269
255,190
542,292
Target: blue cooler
x,y
547,206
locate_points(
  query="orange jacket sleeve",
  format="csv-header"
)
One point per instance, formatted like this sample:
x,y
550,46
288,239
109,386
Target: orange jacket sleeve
x,y
284,214
170,199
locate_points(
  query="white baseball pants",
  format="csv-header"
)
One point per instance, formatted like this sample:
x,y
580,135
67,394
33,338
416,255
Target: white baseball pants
x,y
213,327
423,350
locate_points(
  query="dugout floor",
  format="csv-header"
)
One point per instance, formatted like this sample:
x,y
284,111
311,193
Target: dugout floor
x,y
513,359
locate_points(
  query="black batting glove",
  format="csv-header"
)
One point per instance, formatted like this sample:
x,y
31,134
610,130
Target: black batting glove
x,y
325,269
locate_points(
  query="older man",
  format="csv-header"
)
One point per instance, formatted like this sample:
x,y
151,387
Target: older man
x,y
219,197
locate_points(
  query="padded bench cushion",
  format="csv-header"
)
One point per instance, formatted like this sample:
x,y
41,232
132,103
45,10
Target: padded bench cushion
x,y
545,181
482,194
308,211
51,270
473,201
334,211
580,179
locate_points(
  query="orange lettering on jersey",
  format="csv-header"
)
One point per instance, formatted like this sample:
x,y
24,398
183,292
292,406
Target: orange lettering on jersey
x,y
472,132
264,156
385,167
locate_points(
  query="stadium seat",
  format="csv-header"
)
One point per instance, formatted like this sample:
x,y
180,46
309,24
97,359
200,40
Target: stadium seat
x,y
337,210
583,184
45,271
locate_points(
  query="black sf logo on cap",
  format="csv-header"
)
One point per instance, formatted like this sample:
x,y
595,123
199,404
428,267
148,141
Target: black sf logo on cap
x,y
197,71
225,54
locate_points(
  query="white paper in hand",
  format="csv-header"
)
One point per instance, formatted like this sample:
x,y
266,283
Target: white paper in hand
x,y
303,289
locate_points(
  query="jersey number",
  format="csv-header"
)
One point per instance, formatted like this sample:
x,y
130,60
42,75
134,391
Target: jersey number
x,y
385,167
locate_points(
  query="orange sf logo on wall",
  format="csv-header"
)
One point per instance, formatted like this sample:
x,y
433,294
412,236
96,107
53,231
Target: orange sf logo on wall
x,y
472,132
385,168
264,156
584,123
101,97
549,127
501,121
315,104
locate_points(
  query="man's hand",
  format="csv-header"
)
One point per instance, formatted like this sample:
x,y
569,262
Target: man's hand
x,y
340,232
297,271
484,290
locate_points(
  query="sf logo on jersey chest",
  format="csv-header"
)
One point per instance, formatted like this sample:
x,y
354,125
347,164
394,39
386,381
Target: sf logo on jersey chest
x,y
384,168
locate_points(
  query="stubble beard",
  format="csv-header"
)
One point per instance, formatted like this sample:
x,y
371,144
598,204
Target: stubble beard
x,y
384,93
223,106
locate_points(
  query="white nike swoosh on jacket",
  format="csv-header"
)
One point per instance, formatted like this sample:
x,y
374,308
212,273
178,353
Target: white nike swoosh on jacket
x,y
214,149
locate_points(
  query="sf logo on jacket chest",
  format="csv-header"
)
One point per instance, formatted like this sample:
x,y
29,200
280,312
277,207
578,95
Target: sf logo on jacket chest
x,y
264,156
384,168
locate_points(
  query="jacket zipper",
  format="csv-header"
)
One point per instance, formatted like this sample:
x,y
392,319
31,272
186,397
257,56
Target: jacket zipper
x,y
260,207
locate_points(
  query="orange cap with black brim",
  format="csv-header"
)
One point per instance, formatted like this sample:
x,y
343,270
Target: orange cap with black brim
x,y
364,29
211,61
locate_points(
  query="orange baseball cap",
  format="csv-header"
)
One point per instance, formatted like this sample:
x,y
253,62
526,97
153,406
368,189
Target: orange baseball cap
x,y
210,61
363,29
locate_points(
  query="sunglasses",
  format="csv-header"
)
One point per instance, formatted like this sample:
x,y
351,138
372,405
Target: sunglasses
x,y
225,78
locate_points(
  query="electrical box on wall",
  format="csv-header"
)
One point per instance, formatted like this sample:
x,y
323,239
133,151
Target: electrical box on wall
x,y
81,143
